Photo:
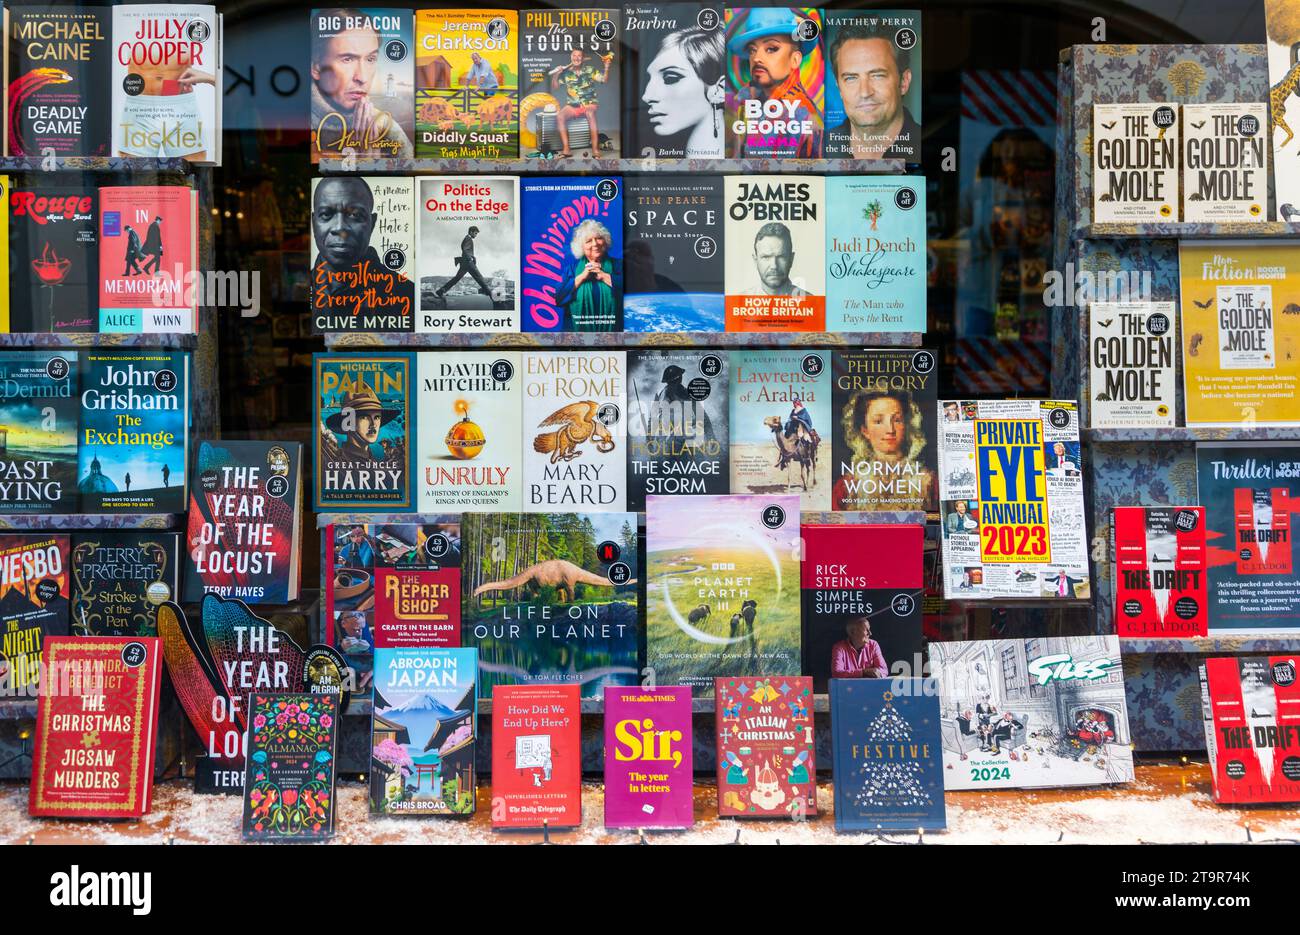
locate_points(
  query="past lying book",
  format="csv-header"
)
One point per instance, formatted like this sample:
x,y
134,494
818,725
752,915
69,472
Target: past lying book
x,y
120,579
1160,574
34,576
536,756
40,409
1251,707
289,786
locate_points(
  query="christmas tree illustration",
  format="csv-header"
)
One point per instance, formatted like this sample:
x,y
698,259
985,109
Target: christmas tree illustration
x,y
891,782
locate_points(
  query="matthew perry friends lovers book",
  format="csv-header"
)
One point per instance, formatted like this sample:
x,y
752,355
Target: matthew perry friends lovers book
x,y
648,774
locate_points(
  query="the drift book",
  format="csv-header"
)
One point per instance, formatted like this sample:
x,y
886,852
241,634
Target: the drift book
x,y
1251,708
1161,583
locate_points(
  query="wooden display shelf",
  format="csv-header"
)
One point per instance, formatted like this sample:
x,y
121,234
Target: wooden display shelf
x,y
1188,230
96,164
578,166
1197,433
892,518
618,340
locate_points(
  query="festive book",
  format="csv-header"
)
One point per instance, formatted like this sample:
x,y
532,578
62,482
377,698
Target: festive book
x,y
569,89
34,572
39,415
1251,708
119,579
467,84
648,771
536,757
766,753
1161,585
289,786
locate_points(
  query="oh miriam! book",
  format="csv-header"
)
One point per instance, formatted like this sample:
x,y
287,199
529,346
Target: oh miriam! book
x,y
289,787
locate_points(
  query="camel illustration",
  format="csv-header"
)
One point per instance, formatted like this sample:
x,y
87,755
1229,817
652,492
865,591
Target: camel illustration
x,y
556,573
576,425
791,449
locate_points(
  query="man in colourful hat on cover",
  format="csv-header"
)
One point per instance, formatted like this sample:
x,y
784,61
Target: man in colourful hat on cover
x,y
773,41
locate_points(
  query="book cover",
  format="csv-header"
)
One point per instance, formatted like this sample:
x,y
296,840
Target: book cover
x,y
674,254
167,82
119,579
289,785
1135,163
1032,713
569,94
467,84
648,769
362,83
722,588
362,254
39,415
5,315
1225,162
781,415
243,535
471,404
873,86
766,752
536,757
551,598
1160,576
53,257
58,98
884,435
423,731
776,79
135,416
1241,358
862,593
1252,728
677,437
575,430
1132,364
572,245
468,253
889,776
674,63
875,254
34,573
364,411
147,260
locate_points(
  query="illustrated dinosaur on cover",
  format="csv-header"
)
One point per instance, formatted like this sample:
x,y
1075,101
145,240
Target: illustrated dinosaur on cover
x,y
556,573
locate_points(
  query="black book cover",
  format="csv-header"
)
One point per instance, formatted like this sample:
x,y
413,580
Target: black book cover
x,y
33,606
53,257
119,579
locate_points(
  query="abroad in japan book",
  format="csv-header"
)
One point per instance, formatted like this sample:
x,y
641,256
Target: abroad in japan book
x,y
648,766
1135,163
1132,364
1251,708
119,579
34,579
1161,584
289,784
536,757
766,758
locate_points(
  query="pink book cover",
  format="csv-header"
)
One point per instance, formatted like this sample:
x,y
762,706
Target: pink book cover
x,y
648,769
146,256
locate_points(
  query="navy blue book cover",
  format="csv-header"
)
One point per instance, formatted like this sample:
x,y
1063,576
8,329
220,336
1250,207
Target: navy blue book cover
x,y
39,411
888,755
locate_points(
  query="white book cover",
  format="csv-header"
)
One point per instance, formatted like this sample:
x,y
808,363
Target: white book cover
x,y
1134,163
1225,162
1132,355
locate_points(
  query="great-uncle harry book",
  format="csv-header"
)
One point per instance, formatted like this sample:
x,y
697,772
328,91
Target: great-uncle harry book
x,y
34,574
875,253
93,755
467,84
1135,162
244,521
536,757
1251,709
722,587
147,259
889,776
648,766
289,784
569,100
1160,574
551,598
134,433
120,578
40,410
766,755
776,76
873,84
53,257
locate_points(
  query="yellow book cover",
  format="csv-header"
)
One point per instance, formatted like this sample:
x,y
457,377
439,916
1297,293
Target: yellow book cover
x,y
467,84
4,253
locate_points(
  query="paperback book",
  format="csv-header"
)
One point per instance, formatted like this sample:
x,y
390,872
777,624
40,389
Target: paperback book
x,y
53,257
649,781
767,764
34,573
776,77
1161,586
873,86
536,757
875,254
1132,364
1135,163
119,579
39,415
1225,162
289,786
467,84
149,233
1251,708
569,94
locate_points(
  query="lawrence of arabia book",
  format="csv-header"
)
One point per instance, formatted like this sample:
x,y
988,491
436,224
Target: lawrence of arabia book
x,y
39,412
569,95
648,767
1225,162
536,757
53,257
1132,364
34,574
1135,163
766,754
873,84
1160,574
1251,708
875,254
147,257
289,783
467,84
119,579
776,75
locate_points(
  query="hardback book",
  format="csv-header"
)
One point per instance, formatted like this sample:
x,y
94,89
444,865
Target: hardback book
x,y
467,239
147,259
1132,364
367,113
423,730
575,430
39,414
889,774
569,89
781,424
536,757
289,784
862,594
5,185
1135,163
674,61
1032,713
883,444
1225,162
365,412
58,91
1160,572
53,257
674,253
875,253
362,254
766,761
551,598
775,269
1283,74
572,252
244,524
776,75
722,587
677,437
93,753
467,84
873,84
1240,332
34,573
167,81
648,768
134,433
1251,708
120,578
471,403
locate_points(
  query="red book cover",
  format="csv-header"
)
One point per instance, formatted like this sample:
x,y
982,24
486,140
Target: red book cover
x,y
146,259
766,763
1263,524
536,756
1252,728
96,721
1160,580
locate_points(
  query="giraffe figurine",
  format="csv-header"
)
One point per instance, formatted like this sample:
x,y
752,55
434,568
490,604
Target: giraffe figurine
x,y
1277,96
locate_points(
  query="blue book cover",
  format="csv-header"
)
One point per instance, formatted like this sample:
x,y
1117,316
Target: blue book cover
x,y
572,236
39,409
887,755
873,84
875,253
